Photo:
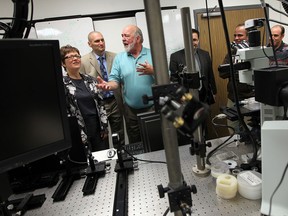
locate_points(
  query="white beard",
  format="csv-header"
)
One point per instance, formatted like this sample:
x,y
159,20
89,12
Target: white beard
x,y
130,46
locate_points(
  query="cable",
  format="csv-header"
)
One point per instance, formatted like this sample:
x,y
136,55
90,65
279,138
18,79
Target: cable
x,y
211,153
279,184
149,161
278,11
282,23
28,27
76,162
209,31
263,38
222,145
5,27
213,126
12,18
166,212
269,31
232,72
221,116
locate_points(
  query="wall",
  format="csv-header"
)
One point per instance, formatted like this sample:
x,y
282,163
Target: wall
x,y
73,7
55,8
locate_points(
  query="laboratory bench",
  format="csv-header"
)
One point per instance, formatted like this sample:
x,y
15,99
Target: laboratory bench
x,y
143,195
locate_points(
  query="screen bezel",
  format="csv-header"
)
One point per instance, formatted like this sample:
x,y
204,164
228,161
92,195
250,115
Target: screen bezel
x,y
51,148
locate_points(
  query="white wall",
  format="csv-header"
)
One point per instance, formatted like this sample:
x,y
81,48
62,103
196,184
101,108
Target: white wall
x,y
55,8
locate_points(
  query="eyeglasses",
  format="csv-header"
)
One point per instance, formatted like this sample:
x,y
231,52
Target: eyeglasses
x,y
72,57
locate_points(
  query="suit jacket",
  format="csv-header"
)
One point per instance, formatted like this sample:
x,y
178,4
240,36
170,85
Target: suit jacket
x,y
178,61
90,66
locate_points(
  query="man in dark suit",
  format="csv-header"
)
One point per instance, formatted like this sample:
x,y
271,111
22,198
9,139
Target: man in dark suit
x,y
99,63
203,64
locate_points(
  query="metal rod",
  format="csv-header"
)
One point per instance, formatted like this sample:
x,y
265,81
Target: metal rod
x,y
188,41
157,43
191,68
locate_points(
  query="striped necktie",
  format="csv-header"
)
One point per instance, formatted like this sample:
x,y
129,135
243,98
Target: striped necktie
x,y
104,73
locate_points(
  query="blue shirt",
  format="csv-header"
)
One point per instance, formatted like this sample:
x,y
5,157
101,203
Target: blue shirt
x,y
134,86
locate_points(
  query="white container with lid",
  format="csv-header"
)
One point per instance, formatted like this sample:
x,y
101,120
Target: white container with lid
x,y
250,184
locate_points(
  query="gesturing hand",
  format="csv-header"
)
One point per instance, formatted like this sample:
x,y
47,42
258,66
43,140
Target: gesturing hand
x,y
145,69
102,84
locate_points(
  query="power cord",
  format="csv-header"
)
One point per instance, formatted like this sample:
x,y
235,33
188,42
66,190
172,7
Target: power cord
x,y
211,153
148,161
232,72
279,184
222,116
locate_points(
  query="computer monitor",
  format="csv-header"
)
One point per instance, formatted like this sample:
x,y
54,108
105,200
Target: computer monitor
x,y
33,106
150,130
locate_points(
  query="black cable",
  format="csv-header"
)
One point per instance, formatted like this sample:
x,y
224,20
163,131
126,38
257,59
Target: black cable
x,y
5,27
76,162
263,48
232,70
232,73
269,31
222,145
213,126
263,38
166,212
11,18
279,184
209,31
29,24
149,161
211,48
278,11
282,23
212,152
222,125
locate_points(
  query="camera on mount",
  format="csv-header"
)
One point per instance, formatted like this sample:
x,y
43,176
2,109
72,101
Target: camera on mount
x,y
254,35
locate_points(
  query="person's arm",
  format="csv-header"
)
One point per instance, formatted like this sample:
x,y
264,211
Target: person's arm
x,y
106,86
173,68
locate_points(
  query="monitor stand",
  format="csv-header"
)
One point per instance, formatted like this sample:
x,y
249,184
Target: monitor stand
x,y
9,207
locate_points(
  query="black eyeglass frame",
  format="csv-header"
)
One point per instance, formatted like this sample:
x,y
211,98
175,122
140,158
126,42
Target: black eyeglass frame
x,y
72,56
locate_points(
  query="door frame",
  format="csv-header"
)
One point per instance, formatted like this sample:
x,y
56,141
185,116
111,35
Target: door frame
x,y
203,10
215,108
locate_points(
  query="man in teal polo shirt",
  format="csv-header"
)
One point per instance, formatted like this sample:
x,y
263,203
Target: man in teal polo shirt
x,y
132,70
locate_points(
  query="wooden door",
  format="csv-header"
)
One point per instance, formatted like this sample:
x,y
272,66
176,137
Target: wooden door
x,y
234,16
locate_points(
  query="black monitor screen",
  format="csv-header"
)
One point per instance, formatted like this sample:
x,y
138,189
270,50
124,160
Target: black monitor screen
x,y
33,112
